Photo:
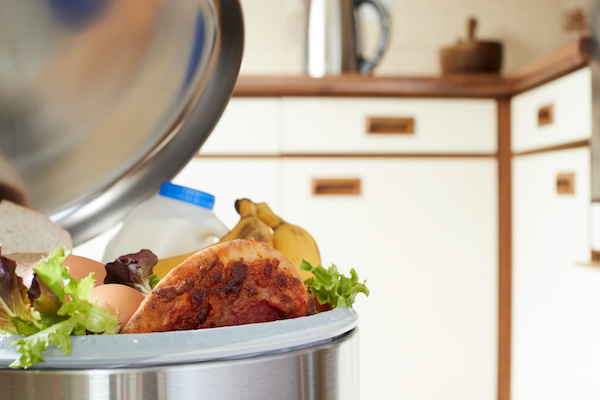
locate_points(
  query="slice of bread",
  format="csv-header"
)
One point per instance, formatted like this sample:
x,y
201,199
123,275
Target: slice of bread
x,y
23,230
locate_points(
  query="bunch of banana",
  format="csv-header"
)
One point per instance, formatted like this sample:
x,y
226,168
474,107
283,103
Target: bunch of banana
x,y
295,243
258,222
250,226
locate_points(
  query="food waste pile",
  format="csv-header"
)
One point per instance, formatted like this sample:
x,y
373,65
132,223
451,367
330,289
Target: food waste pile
x,y
264,269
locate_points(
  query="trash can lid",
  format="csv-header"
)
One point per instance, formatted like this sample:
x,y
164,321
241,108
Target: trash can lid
x,y
102,102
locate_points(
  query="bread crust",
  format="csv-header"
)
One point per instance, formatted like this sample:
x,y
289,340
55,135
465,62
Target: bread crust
x,y
237,282
27,235
24,230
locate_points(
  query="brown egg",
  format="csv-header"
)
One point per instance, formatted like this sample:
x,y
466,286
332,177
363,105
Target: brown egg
x,y
79,268
120,300
28,276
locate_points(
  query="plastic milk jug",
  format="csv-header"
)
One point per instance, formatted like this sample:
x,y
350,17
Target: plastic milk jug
x,y
176,221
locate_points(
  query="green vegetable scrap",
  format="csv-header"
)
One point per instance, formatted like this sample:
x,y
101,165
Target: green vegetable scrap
x,y
59,308
331,287
16,317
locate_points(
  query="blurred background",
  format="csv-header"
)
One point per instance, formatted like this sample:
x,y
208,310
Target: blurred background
x,y
528,28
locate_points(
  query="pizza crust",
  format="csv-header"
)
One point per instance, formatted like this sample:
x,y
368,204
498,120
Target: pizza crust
x,y
237,282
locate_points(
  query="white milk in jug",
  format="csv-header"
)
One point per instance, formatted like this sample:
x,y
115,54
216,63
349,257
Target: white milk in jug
x,y
176,221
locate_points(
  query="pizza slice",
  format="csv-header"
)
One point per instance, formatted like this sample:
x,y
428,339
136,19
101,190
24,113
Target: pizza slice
x,y
237,282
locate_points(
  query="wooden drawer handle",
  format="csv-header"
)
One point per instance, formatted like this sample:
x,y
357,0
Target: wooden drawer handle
x,y
546,115
595,257
335,186
397,125
565,183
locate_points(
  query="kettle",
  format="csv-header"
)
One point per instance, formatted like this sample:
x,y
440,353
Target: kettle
x,y
333,38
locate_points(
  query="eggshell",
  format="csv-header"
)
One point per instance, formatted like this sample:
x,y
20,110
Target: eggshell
x,y
79,268
28,276
120,300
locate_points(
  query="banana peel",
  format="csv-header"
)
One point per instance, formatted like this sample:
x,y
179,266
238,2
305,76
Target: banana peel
x,y
294,242
249,226
162,267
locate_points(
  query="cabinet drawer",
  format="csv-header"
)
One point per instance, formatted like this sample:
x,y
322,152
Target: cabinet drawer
x,y
249,126
556,113
379,126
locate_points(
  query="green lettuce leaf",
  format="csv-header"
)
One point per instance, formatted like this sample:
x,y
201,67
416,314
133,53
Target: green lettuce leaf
x,y
331,287
44,301
64,310
83,318
52,272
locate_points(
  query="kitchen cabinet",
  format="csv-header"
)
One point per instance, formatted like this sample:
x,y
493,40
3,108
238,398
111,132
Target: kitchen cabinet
x,y
556,113
555,349
358,125
414,213
247,127
229,179
423,233
555,343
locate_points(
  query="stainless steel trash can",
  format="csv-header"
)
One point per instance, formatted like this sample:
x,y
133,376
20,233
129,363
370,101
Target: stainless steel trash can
x,y
313,357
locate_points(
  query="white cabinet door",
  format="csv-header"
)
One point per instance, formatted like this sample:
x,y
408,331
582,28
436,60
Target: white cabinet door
x,y
555,340
423,233
229,179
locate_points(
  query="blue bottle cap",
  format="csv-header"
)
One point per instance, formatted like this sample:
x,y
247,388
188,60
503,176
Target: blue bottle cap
x,y
188,195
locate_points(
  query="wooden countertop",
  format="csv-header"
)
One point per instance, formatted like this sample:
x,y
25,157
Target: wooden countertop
x,y
572,57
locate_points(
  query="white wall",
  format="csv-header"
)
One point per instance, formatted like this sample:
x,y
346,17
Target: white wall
x,y
528,28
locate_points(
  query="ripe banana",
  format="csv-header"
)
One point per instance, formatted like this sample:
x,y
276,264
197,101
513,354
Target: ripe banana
x,y
292,241
162,267
249,226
